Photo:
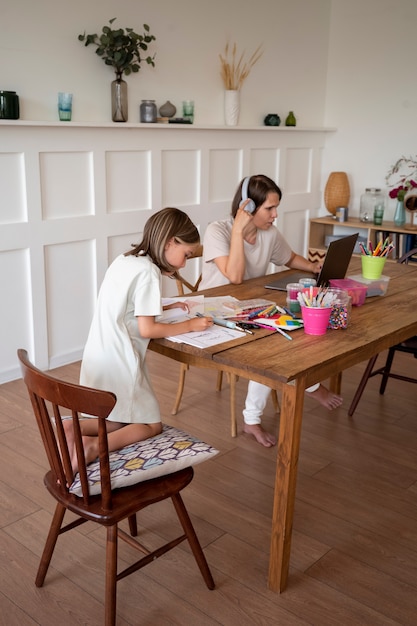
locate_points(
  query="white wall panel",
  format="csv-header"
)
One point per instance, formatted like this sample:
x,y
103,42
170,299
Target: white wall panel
x,y
265,161
180,177
89,190
66,184
298,170
121,244
70,296
129,182
225,171
13,188
16,313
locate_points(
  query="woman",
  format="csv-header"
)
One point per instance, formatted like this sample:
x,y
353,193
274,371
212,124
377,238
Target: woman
x,y
242,247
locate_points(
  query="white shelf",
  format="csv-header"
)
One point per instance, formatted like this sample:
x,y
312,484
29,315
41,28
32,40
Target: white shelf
x,y
142,126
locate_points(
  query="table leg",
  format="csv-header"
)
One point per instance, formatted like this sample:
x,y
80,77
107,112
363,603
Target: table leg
x,y
292,403
336,383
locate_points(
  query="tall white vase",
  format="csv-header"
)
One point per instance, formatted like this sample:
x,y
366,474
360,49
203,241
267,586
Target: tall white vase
x,y
231,107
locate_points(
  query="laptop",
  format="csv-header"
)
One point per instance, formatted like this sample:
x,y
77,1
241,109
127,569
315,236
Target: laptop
x,y
335,265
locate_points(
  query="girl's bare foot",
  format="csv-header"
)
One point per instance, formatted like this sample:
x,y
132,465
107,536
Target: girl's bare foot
x,y
69,434
90,445
261,436
327,398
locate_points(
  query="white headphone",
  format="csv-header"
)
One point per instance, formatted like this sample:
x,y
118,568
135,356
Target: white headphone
x,y
251,206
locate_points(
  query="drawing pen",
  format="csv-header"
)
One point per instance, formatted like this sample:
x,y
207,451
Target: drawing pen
x,y
288,312
283,333
255,313
276,329
226,323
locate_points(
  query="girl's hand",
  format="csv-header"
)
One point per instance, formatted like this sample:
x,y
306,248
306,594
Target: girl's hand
x,y
200,323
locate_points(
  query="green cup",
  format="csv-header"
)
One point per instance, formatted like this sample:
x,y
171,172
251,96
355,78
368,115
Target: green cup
x,y
372,266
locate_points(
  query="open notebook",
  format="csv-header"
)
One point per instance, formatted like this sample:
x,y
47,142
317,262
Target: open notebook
x,y
335,265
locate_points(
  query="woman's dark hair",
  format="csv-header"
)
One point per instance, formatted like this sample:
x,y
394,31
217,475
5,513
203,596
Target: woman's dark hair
x,y
258,189
167,224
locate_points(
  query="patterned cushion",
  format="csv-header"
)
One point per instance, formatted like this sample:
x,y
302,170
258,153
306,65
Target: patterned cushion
x,y
164,454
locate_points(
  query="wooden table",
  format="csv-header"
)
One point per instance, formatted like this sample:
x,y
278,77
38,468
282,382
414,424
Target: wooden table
x,y
291,366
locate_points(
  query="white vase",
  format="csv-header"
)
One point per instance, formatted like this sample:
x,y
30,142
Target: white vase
x,y
231,107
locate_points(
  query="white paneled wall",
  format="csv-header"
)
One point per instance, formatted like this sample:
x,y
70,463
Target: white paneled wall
x,y
74,196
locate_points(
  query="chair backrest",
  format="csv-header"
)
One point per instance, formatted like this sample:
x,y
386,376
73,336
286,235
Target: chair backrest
x,y
405,258
53,401
182,282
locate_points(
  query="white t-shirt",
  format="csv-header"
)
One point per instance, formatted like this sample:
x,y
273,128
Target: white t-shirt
x,y
114,355
269,247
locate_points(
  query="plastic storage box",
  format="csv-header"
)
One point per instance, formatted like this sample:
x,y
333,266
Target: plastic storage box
x,y
373,287
355,289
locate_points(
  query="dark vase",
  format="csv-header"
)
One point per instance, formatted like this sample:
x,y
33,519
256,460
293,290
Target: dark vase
x,y
119,99
272,119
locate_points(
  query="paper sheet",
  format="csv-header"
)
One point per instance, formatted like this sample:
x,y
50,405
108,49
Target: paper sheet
x,y
207,306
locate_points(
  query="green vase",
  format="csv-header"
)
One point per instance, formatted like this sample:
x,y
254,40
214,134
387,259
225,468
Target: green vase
x,y
290,121
399,217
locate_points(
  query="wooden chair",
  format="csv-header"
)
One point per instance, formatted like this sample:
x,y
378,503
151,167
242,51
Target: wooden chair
x,y
49,397
409,346
184,367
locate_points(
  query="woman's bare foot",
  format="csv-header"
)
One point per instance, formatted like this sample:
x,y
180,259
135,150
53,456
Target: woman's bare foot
x,y
327,398
261,436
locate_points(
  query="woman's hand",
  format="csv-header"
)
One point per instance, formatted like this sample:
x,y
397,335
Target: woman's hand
x,y
177,305
242,218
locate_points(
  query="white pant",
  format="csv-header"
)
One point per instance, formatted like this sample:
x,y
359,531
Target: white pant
x,y
256,400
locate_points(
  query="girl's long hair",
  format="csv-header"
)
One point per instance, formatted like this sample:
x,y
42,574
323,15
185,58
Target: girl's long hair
x,y
161,227
258,189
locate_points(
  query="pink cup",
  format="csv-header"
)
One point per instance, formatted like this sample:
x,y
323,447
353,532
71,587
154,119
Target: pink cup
x,y
316,319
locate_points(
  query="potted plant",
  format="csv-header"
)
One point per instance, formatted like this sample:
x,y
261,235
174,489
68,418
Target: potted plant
x,y
122,49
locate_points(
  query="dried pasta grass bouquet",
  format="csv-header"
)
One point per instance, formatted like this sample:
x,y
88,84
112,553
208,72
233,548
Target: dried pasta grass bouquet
x,y
234,71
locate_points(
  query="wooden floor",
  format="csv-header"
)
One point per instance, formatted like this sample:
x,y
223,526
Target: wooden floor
x,y
354,550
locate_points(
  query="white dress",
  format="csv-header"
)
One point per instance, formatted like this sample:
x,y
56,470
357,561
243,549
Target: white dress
x,y
114,355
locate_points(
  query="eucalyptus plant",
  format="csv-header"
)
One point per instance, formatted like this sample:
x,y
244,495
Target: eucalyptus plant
x,y
122,49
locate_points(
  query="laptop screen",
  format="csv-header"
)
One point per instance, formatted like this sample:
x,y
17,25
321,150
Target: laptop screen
x,y
335,264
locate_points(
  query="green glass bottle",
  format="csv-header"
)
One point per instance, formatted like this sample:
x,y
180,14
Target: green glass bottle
x,y
290,121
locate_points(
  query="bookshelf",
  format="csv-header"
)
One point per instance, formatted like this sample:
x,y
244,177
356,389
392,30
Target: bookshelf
x,y
321,227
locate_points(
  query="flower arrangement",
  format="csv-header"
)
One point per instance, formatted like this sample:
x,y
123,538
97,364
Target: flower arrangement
x,y
405,170
121,48
234,72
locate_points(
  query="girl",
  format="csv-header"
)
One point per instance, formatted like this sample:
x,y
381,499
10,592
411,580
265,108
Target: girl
x,y
124,321
242,247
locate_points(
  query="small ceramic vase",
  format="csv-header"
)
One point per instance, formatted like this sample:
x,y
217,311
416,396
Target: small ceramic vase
x,y
272,119
290,121
167,109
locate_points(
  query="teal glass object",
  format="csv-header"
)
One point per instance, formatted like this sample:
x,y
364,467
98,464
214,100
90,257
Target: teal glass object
x,y
399,217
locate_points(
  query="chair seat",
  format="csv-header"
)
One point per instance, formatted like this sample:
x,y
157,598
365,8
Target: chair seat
x,y
124,500
168,452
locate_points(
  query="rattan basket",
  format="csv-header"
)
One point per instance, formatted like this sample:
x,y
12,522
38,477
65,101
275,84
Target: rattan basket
x,y
336,192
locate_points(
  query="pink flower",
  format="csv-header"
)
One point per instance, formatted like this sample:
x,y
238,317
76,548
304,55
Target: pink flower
x,y
404,171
